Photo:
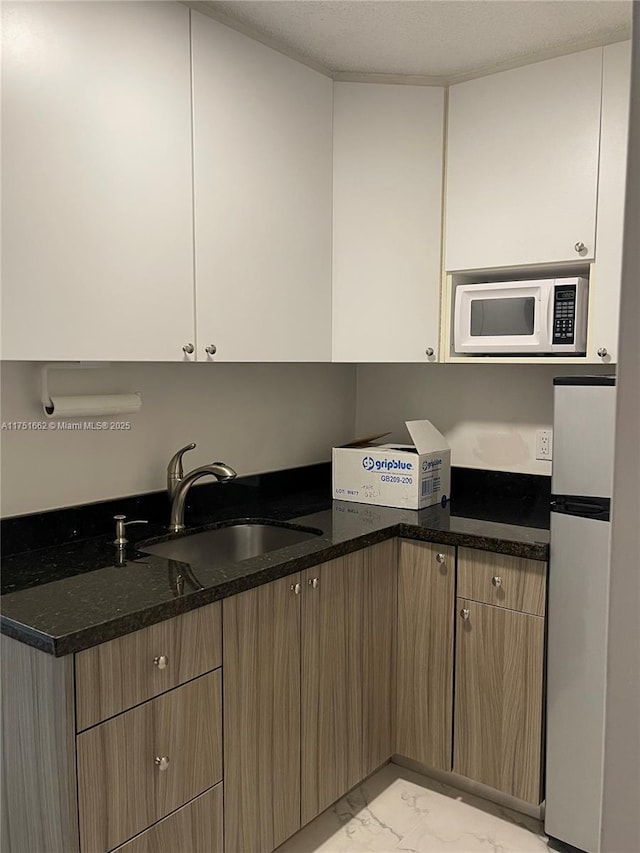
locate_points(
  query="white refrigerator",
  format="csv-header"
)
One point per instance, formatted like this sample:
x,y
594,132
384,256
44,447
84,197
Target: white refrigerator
x,y
581,485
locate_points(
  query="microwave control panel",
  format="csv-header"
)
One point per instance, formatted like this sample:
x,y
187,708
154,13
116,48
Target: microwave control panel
x,y
564,314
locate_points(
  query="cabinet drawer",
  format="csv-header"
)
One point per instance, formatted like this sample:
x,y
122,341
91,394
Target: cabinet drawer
x,y
195,828
117,675
511,582
121,789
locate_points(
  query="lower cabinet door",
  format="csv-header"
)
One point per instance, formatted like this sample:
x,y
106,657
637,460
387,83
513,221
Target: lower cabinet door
x,y
136,768
498,698
261,671
331,682
195,828
378,654
424,694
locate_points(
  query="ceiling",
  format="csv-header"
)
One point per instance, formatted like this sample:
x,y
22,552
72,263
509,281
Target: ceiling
x,y
440,41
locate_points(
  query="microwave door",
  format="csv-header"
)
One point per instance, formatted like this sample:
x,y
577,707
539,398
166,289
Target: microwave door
x,y
501,319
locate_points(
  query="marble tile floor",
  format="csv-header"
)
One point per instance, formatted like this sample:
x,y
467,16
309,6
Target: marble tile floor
x,y
399,810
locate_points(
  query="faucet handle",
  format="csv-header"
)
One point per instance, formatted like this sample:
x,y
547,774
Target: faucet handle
x,y
175,472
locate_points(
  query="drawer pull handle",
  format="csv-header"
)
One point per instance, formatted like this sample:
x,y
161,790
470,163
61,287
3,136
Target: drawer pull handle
x,y
161,661
496,581
465,613
441,558
162,762
314,582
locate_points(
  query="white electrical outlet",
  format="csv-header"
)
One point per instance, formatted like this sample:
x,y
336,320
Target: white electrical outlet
x,y
544,444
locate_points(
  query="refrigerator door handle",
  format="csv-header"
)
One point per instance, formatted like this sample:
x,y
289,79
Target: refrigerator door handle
x,y
596,508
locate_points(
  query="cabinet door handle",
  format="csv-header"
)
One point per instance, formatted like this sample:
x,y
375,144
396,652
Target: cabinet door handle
x,y
580,247
429,352
314,582
441,558
465,613
602,352
189,349
496,581
162,762
161,661
212,349
296,588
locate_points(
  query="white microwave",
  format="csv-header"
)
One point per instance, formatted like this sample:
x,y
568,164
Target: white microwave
x,y
541,317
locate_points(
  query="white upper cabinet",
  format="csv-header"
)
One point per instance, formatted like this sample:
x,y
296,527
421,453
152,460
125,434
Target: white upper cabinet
x,y
262,195
97,258
522,165
606,277
387,210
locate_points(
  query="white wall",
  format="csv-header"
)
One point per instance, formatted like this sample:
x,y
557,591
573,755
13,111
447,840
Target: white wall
x,y
621,816
255,417
489,413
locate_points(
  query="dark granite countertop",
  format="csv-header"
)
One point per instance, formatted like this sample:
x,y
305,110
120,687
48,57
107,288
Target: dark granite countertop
x,y
68,597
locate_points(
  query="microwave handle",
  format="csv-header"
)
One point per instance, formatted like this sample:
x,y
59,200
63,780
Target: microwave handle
x,y
547,312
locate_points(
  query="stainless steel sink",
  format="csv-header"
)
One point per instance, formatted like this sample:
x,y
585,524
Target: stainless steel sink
x,y
230,544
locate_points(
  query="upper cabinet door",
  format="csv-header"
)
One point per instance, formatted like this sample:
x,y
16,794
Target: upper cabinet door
x,y
262,184
96,167
387,210
605,284
522,165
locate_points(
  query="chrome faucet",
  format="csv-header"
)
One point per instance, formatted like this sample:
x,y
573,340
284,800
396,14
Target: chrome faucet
x,y
178,484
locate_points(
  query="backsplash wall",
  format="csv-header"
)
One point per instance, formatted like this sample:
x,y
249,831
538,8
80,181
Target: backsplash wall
x,y
255,417
488,412
263,417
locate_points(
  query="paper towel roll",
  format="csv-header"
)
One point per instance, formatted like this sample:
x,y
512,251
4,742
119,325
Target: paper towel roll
x,y
89,406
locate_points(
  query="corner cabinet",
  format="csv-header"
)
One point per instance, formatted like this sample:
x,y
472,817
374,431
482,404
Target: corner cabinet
x,y
522,165
387,222
308,693
262,200
97,260
424,697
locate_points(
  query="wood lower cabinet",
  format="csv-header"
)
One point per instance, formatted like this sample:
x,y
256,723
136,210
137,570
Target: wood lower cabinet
x,y
325,675
380,581
137,767
262,715
308,693
331,710
92,791
499,695
512,582
348,657
424,697
123,672
195,828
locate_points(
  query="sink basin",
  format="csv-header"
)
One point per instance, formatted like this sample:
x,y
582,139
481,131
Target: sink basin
x,y
230,544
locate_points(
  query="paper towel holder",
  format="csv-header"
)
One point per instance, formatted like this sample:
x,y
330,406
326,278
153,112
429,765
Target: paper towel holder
x,y
82,405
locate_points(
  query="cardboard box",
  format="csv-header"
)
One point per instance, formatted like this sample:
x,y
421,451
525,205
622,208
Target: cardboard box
x,y
406,476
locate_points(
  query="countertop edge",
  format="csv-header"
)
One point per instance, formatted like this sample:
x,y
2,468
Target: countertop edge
x,y
85,638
